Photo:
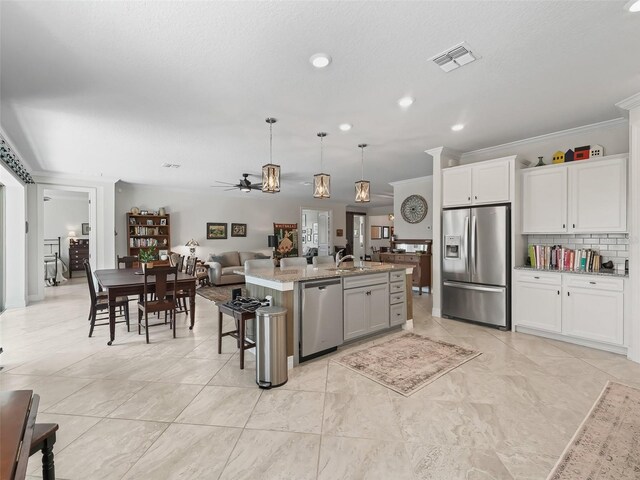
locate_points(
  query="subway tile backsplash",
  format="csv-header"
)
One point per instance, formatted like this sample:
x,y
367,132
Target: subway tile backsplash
x,y
611,246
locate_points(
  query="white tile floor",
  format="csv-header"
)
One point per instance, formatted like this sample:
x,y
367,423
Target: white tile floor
x,y
177,409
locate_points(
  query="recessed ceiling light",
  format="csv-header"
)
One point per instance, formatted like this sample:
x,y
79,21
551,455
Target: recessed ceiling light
x,y
320,60
633,6
405,102
306,183
457,127
345,127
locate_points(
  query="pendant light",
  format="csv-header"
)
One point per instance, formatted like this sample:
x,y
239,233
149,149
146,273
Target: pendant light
x,y
270,171
363,186
321,181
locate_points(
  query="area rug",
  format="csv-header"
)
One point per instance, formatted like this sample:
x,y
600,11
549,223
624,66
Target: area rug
x,y
607,444
407,363
219,294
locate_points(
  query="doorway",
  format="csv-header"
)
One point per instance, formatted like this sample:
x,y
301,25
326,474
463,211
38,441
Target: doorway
x,y
356,234
315,233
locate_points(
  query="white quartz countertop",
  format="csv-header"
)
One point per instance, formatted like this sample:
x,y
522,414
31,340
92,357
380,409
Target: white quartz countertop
x,y
311,272
608,273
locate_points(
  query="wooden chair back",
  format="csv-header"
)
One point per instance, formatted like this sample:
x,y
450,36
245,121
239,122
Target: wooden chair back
x,y
127,261
92,287
190,269
165,279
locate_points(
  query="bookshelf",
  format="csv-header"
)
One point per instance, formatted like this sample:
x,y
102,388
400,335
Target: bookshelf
x,y
145,231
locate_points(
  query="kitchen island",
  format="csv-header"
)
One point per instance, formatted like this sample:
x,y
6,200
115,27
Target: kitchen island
x,y
371,298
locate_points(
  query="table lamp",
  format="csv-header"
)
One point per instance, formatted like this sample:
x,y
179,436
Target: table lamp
x,y
192,244
72,237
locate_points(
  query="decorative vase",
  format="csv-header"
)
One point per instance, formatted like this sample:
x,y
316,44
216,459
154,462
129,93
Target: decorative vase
x,y
540,162
162,211
146,265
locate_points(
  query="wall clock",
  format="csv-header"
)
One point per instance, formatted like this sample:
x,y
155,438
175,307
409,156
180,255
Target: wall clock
x,y
414,209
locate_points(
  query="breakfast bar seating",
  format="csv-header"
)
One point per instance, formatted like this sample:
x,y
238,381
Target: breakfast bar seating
x,y
241,318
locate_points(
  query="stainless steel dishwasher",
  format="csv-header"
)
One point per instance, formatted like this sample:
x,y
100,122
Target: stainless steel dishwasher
x,y
321,326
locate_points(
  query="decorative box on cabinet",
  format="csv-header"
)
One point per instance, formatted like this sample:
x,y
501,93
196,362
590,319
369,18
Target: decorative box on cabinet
x,y
476,184
578,197
78,252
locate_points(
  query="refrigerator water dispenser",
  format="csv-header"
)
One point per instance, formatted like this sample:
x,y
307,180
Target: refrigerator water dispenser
x,y
452,246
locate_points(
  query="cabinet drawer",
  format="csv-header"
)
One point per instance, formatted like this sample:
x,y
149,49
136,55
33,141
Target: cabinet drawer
x,y
595,282
397,314
397,276
365,280
411,259
539,277
396,298
396,287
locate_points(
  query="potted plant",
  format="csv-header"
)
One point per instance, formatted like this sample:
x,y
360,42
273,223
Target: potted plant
x,y
146,257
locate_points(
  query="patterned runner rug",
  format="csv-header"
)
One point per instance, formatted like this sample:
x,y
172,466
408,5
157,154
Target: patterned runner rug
x,y
219,294
407,363
607,444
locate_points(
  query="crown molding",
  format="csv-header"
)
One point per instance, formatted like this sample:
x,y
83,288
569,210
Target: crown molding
x,y
629,103
548,136
42,176
444,151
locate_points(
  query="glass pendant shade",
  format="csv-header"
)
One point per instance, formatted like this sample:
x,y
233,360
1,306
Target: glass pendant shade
x,y
322,185
362,191
321,181
270,171
270,178
363,187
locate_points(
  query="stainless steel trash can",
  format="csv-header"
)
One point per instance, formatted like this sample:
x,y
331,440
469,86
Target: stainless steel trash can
x,y
271,347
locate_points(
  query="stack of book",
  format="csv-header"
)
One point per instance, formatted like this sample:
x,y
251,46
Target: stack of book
x,y
557,257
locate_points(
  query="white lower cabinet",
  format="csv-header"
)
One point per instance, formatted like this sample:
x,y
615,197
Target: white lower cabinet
x,y
586,307
593,309
366,309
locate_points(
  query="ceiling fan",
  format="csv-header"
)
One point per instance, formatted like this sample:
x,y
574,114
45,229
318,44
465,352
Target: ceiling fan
x,y
244,184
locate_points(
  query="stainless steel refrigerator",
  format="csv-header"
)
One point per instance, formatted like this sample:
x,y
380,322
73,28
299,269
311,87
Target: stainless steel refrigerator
x,y
476,261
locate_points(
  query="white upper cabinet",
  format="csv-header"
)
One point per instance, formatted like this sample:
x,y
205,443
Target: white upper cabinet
x,y
456,187
599,194
583,197
490,182
544,203
476,184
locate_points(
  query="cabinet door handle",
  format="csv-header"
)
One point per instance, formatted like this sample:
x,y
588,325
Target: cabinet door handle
x,y
568,294
558,292
476,197
468,198
537,278
369,292
592,283
574,225
563,225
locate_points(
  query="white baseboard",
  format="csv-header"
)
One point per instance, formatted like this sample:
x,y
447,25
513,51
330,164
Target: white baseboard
x,y
290,362
408,325
436,312
577,341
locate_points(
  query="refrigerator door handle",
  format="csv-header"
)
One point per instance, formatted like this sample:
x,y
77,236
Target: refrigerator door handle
x,y
466,286
466,242
474,245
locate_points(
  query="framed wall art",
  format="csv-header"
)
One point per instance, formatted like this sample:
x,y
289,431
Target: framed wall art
x,y
85,229
216,231
238,229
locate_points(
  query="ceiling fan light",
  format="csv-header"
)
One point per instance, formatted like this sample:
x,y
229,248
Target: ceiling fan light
x,y
321,185
270,178
363,191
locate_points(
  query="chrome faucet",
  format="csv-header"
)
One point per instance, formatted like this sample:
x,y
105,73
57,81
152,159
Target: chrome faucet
x,y
340,259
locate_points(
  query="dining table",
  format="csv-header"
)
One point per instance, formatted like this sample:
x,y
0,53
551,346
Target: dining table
x,y
130,281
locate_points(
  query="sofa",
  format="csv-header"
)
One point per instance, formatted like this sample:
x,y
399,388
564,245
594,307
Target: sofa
x,y
222,266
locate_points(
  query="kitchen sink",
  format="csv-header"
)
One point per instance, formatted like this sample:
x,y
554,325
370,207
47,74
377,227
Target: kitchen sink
x,y
348,269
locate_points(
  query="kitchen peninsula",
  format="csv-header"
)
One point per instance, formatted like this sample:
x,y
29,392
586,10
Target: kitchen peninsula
x,y
328,306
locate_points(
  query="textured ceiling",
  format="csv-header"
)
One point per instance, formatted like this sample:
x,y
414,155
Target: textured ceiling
x,y
117,88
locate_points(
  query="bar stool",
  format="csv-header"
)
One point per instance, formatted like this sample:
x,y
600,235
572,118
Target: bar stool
x,y
239,333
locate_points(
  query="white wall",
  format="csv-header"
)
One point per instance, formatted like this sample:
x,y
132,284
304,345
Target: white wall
x,y
403,189
191,210
62,215
382,221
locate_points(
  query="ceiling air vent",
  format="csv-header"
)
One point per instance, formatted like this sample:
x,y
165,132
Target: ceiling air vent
x,y
170,165
455,57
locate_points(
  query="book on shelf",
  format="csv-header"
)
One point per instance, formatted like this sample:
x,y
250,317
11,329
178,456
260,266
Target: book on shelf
x,y
557,257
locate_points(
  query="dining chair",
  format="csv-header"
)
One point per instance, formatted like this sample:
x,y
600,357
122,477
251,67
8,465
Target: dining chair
x,y
183,295
100,304
126,261
323,260
164,300
288,262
